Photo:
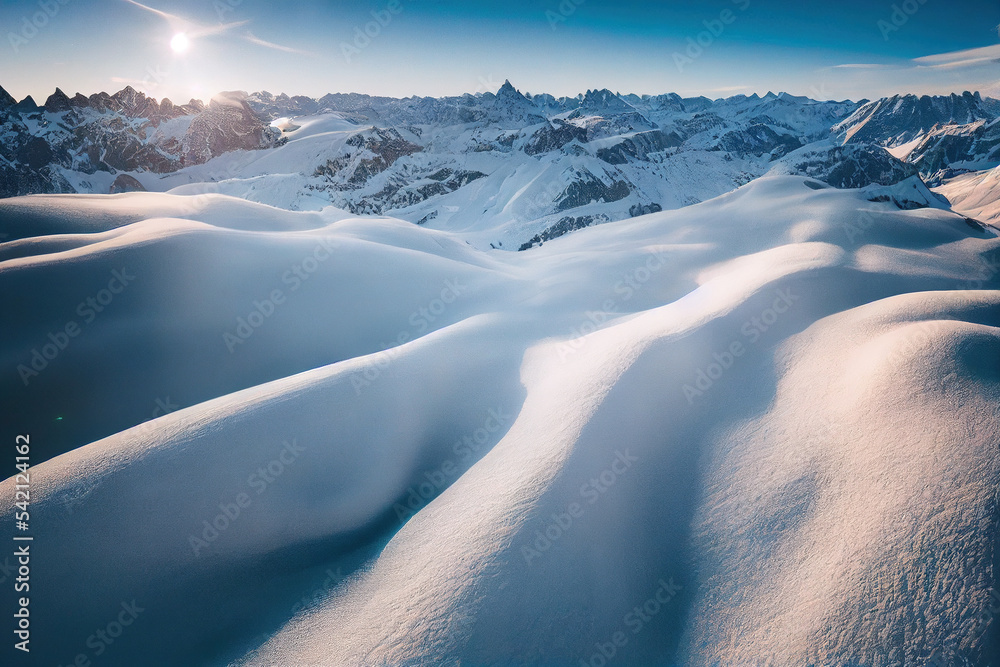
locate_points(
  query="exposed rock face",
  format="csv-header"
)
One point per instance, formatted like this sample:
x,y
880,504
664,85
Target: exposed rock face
x,y
956,146
373,151
588,188
563,226
126,183
895,120
57,101
639,146
848,166
117,132
644,209
555,136
758,139
227,125
6,101
510,106
366,153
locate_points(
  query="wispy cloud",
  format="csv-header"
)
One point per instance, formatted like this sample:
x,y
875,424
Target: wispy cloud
x,y
206,31
934,74
966,58
861,66
254,39
162,14
195,30
187,26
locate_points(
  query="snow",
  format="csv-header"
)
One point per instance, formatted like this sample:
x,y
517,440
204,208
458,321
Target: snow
x,y
488,134
901,151
778,405
975,194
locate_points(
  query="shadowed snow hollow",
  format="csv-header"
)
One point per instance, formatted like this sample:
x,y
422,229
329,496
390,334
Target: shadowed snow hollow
x,y
757,430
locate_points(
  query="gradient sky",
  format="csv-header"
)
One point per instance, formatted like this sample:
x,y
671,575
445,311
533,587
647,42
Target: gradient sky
x,y
445,47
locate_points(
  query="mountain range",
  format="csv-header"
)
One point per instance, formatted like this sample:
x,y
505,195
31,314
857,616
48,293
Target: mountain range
x,y
505,169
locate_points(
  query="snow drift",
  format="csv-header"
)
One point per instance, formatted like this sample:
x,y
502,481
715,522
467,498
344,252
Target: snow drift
x,y
757,430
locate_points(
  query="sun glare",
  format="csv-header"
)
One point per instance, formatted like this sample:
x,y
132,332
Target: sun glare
x,y
180,43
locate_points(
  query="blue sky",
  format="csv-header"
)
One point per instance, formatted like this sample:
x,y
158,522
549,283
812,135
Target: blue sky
x,y
846,49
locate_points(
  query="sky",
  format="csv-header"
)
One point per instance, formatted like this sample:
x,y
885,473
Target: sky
x,y
183,49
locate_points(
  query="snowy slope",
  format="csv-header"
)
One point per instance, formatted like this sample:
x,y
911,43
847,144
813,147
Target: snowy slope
x,y
976,194
756,430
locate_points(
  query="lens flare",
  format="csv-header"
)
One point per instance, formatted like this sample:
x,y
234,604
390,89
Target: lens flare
x,y
180,43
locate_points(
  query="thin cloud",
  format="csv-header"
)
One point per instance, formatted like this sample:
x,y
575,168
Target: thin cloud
x,y
187,26
965,58
934,74
162,14
196,30
861,66
206,31
254,39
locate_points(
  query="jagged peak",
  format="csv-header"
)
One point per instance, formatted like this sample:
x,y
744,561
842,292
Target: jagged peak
x,y
127,91
6,99
57,101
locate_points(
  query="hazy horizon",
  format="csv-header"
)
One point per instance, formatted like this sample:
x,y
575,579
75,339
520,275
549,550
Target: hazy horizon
x,y
183,49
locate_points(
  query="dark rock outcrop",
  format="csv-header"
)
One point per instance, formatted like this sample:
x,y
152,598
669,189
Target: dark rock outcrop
x,y
125,183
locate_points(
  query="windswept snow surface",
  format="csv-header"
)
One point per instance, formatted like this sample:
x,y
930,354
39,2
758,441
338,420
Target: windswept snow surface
x,y
976,194
760,430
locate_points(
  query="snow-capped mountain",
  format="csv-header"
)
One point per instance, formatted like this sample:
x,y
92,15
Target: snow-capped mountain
x,y
895,120
505,169
55,147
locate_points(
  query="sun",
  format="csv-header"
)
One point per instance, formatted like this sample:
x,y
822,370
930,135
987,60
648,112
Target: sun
x,y
180,43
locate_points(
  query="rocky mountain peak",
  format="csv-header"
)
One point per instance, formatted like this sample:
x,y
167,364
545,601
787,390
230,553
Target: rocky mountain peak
x,y
604,101
57,101
6,100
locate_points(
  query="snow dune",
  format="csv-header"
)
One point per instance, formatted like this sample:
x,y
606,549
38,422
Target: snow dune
x,y
758,430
